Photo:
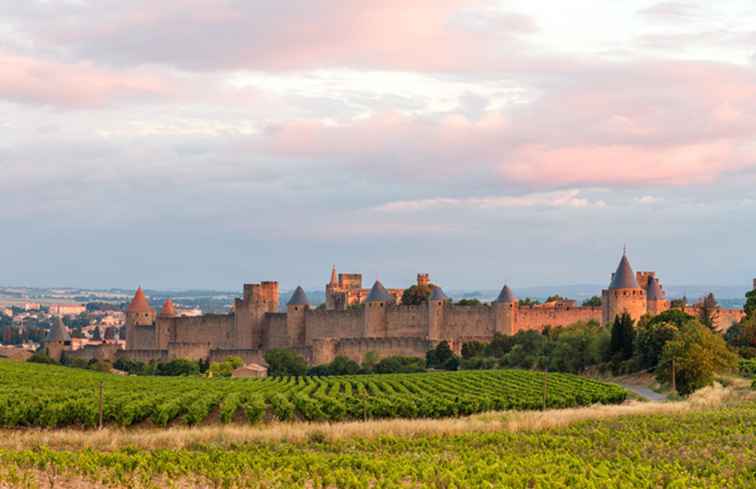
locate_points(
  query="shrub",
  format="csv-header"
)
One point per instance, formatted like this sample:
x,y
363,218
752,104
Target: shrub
x,y
282,362
41,357
400,364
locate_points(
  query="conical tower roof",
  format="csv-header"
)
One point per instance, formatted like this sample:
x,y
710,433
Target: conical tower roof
x,y
299,298
655,291
333,276
168,310
624,277
58,332
139,303
506,295
379,293
437,294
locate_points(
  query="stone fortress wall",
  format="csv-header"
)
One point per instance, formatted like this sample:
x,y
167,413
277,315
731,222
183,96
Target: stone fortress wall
x,y
356,320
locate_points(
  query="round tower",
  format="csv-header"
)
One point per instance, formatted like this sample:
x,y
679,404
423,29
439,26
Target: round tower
x,y
436,310
57,340
624,295
656,298
505,310
375,311
139,313
295,317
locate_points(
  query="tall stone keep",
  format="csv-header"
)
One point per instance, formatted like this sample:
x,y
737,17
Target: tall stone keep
x,y
249,312
505,311
624,294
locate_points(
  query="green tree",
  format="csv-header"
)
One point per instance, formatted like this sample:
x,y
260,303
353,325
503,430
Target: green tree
x,y
708,312
226,367
472,349
282,362
369,361
528,301
442,357
400,364
468,302
177,367
650,340
697,355
622,338
742,337
594,301
750,305
417,294
679,303
675,316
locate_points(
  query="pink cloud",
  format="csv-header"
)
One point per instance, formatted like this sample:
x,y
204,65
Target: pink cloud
x,y
286,35
616,124
30,80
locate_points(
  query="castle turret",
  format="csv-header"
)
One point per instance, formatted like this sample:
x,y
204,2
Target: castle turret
x,y
436,310
623,294
656,298
168,310
57,340
295,317
165,323
259,299
375,311
138,314
505,311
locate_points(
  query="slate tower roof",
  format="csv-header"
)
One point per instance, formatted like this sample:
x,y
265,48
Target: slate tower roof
x,y
379,294
655,291
437,294
299,298
506,295
624,277
58,332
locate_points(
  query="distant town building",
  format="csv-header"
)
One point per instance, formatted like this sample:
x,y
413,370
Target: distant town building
x,y
67,309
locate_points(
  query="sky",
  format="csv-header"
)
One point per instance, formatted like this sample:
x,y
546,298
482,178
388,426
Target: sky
x,y
204,144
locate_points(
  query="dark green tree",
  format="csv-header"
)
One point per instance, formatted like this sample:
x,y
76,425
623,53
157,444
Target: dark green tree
x,y
472,349
441,357
417,294
594,301
708,312
623,337
697,355
283,362
528,301
750,305
468,302
399,364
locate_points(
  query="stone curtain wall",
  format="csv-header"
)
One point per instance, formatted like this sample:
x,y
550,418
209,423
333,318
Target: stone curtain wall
x,y
534,318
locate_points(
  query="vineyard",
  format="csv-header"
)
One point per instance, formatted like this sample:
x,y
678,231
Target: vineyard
x,y
52,397
710,448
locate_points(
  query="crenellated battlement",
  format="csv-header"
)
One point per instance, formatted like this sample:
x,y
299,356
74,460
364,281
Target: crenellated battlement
x,y
374,320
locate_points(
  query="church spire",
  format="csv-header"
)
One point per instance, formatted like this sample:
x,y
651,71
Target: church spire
x,y
333,275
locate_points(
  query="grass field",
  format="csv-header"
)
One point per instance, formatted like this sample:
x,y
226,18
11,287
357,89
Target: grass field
x,y
683,444
53,397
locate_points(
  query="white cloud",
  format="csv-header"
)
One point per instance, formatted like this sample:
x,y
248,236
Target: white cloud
x,y
565,198
648,199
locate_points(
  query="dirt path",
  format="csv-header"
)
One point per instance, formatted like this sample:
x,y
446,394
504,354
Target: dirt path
x,y
645,392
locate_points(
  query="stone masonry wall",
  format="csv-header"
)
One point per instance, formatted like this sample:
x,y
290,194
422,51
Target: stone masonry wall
x,y
469,322
213,329
535,318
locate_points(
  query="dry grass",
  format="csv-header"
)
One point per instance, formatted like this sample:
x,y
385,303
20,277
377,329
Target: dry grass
x,y
513,421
